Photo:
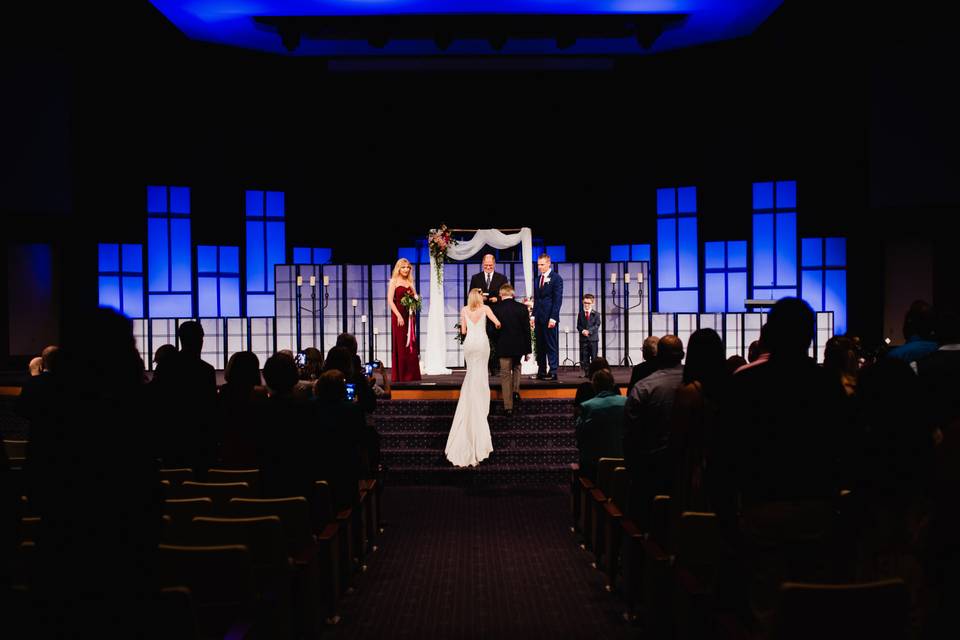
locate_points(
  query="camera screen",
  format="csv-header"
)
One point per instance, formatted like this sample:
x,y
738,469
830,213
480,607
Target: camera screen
x,y
301,359
351,391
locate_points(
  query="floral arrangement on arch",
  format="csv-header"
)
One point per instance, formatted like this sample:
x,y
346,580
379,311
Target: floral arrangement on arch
x,y
439,241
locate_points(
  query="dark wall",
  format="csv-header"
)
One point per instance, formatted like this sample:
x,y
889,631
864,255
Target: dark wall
x,y
380,157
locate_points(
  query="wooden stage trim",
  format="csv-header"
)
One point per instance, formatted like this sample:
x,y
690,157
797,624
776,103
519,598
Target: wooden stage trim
x,y
10,391
454,394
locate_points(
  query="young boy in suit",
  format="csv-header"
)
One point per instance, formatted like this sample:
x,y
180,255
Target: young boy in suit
x,y
588,326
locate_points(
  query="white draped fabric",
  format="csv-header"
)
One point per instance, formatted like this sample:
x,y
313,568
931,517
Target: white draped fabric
x,y
436,350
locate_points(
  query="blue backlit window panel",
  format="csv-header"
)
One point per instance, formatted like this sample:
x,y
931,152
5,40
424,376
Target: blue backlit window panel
x,y
218,282
169,252
677,256
725,276
557,253
775,243
630,253
306,255
823,278
619,253
640,253
410,253
266,248
120,278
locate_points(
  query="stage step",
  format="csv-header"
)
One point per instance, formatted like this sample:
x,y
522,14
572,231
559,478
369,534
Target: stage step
x,y
533,447
485,475
521,439
506,456
498,422
448,407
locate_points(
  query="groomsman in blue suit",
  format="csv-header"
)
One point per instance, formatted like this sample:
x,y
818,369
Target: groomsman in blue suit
x,y
547,297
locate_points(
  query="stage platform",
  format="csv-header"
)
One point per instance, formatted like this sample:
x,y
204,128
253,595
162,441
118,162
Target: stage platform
x,y
447,387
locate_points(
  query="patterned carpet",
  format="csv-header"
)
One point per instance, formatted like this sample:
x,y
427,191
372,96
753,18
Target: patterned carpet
x,y
461,563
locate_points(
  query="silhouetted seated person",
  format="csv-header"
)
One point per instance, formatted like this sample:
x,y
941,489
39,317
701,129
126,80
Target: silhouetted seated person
x,y
777,452
240,407
649,364
287,433
343,437
734,362
366,397
586,390
99,497
162,353
693,419
893,467
36,388
186,404
841,358
758,352
939,374
646,427
919,325
34,404
599,427
308,373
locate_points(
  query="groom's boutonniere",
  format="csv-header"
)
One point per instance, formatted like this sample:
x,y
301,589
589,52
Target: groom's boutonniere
x,y
546,280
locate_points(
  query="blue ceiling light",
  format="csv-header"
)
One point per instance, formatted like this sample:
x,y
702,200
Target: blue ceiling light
x,y
465,27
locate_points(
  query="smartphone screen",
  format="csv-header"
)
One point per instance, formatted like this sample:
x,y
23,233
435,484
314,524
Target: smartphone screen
x,y
351,391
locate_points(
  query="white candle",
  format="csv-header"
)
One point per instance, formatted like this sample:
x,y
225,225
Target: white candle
x,y
363,319
313,281
355,302
613,278
626,278
640,277
376,331
326,281
299,280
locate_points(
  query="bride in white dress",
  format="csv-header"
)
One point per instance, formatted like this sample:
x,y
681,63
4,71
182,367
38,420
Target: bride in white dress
x,y
469,441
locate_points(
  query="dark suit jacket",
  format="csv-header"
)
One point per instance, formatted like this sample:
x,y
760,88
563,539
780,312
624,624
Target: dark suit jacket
x,y
548,298
513,338
593,326
479,281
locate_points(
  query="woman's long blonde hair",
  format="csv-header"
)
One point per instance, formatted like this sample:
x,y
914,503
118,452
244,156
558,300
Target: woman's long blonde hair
x,y
402,262
475,299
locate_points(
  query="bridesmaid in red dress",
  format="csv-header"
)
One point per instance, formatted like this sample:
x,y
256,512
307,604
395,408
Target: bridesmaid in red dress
x,y
406,349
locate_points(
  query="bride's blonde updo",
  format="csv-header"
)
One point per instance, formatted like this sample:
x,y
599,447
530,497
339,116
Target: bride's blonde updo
x,y
475,299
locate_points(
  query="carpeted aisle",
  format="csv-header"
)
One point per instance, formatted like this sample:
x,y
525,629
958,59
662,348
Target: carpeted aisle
x,y
460,563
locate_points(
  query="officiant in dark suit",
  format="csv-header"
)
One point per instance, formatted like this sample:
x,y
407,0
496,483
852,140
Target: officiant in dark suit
x,y
513,343
489,283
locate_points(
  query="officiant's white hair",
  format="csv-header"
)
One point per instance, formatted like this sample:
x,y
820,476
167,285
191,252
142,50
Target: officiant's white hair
x,y
475,299
402,262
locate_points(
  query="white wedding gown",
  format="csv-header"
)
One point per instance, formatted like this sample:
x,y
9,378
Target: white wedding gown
x,y
469,441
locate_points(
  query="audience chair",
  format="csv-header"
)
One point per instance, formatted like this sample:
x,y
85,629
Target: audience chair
x,y
875,610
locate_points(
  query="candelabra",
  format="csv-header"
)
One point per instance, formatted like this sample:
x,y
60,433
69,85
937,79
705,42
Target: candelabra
x,y
625,309
312,309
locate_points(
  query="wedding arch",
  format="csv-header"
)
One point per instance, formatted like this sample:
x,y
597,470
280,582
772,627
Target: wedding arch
x,y
436,351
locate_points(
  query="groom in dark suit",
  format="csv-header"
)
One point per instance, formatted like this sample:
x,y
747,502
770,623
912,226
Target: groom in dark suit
x,y
489,283
547,298
513,343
